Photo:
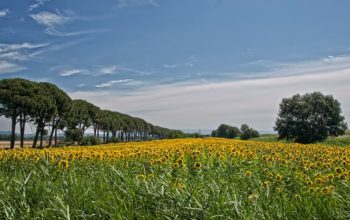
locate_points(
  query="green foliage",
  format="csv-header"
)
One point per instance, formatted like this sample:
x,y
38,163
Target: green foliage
x,y
173,134
115,140
248,133
79,115
226,131
309,118
266,138
90,141
74,135
341,141
17,99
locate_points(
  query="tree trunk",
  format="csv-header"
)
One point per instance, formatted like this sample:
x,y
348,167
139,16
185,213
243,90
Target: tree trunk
x,y
95,130
52,131
22,125
55,136
13,131
104,137
41,138
36,136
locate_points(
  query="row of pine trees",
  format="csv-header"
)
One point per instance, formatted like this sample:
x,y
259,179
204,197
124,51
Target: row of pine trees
x,y
50,109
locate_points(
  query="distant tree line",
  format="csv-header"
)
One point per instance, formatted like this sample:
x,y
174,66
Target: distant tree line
x,y
227,131
50,109
307,118
6,137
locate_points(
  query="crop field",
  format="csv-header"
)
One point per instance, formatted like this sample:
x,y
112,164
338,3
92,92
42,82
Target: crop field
x,y
177,179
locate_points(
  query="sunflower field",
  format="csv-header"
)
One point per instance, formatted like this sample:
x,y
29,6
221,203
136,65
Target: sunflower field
x,y
177,179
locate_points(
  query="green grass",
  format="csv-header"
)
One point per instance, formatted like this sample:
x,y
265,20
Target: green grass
x,y
341,141
266,137
134,190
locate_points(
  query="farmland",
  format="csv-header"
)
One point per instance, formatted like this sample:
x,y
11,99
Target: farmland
x,y
168,179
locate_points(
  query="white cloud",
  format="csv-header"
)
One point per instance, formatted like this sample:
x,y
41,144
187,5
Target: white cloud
x,y
70,72
9,53
7,67
125,82
11,47
169,66
54,22
4,12
107,70
13,55
113,69
62,46
329,63
136,3
37,4
140,72
58,33
205,105
50,20
177,65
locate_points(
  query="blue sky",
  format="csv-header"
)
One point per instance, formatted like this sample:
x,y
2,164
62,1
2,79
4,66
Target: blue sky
x,y
181,63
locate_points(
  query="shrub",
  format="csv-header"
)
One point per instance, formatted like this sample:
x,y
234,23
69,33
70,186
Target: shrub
x,y
90,140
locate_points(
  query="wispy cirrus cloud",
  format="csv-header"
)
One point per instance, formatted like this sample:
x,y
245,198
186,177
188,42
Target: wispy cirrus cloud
x,y
139,72
12,54
189,104
173,66
124,82
37,4
13,47
58,33
54,23
7,67
4,12
99,71
107,70
136,3
50,20
57,47
19,52
277,68
71,72
114,69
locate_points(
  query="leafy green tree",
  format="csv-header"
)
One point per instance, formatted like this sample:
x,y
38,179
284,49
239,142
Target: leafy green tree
x,y
226,131
25,106
63,105
74,135
93,112
45,105
248,133
16,99
43,110
90,141
309,118
79,115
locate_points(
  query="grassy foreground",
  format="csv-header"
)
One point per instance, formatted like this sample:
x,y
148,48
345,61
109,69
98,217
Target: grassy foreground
x,y
177,179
